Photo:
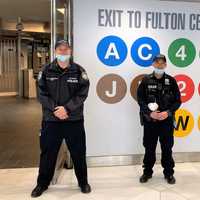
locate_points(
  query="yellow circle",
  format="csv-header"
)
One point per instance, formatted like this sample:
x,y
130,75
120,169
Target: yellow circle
x,y
184,123
199,122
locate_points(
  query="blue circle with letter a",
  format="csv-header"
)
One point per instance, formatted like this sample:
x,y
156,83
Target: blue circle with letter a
x,y
112,51
143,51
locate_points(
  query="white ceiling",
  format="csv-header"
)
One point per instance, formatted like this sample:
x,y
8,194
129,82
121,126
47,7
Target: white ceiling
x,y
36,10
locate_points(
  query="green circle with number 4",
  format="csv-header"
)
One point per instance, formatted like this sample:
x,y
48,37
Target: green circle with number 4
x,y
182,52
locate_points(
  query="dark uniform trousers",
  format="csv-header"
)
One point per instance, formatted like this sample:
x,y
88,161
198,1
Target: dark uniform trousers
x,y
163,131
52,135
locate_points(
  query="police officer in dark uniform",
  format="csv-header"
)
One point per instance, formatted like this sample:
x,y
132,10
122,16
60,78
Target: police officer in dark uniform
x,y
158,97
63,87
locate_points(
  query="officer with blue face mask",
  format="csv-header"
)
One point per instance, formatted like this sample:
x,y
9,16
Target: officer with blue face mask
x,y
63,87
158,97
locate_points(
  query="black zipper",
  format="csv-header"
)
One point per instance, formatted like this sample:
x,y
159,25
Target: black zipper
x,y
58,87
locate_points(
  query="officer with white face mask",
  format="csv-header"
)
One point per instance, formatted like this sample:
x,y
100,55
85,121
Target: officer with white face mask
x,y
158,97
63,87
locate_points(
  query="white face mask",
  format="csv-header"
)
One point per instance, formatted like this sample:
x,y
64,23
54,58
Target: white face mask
x,y
63,58
159,71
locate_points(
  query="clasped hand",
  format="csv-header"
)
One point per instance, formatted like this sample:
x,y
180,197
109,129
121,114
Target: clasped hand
x,y
159,115
61,113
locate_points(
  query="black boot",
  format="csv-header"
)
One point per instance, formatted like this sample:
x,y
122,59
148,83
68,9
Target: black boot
x,y
85,188
144,178
170,179
38,190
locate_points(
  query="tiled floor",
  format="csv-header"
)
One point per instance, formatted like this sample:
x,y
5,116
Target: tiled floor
x,y
109,183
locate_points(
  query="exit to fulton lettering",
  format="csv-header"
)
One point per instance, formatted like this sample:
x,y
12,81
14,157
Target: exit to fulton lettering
x,y
149,19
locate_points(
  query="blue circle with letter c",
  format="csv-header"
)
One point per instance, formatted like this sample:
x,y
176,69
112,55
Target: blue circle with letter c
x,y
144,50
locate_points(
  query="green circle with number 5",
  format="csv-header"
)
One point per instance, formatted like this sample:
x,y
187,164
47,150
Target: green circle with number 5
x,y
182,52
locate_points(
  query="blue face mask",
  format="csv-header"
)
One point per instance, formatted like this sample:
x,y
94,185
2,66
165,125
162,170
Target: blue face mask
x,y
159,71
63,58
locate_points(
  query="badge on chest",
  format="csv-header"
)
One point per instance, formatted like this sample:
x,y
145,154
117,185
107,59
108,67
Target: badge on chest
x,y
167,82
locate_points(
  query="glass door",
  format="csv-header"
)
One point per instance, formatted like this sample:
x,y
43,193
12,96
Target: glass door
x,y
61,18
61,28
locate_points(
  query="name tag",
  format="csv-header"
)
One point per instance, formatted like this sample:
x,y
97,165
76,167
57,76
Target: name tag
x,y
72,80
152,86
51,78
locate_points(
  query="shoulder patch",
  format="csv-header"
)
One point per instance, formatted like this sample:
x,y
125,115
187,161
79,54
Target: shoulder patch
x,y
84,75
39,75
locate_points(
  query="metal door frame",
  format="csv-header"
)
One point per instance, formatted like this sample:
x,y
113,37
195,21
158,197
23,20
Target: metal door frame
x,y
64,155
68,24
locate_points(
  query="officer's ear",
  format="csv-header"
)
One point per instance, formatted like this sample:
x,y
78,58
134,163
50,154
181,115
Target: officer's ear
x,y
165,65
154,64
70,50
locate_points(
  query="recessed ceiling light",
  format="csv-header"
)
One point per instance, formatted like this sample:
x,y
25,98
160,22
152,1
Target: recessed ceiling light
x,y
61,10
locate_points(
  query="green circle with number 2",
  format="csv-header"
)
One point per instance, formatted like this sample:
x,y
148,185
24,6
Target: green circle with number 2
x,y
182,52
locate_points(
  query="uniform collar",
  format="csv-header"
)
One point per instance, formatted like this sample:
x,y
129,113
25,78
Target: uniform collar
x,y
163,76
55,67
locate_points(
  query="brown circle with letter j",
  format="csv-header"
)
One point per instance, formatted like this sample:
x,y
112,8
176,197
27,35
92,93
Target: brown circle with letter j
x,y
111,88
